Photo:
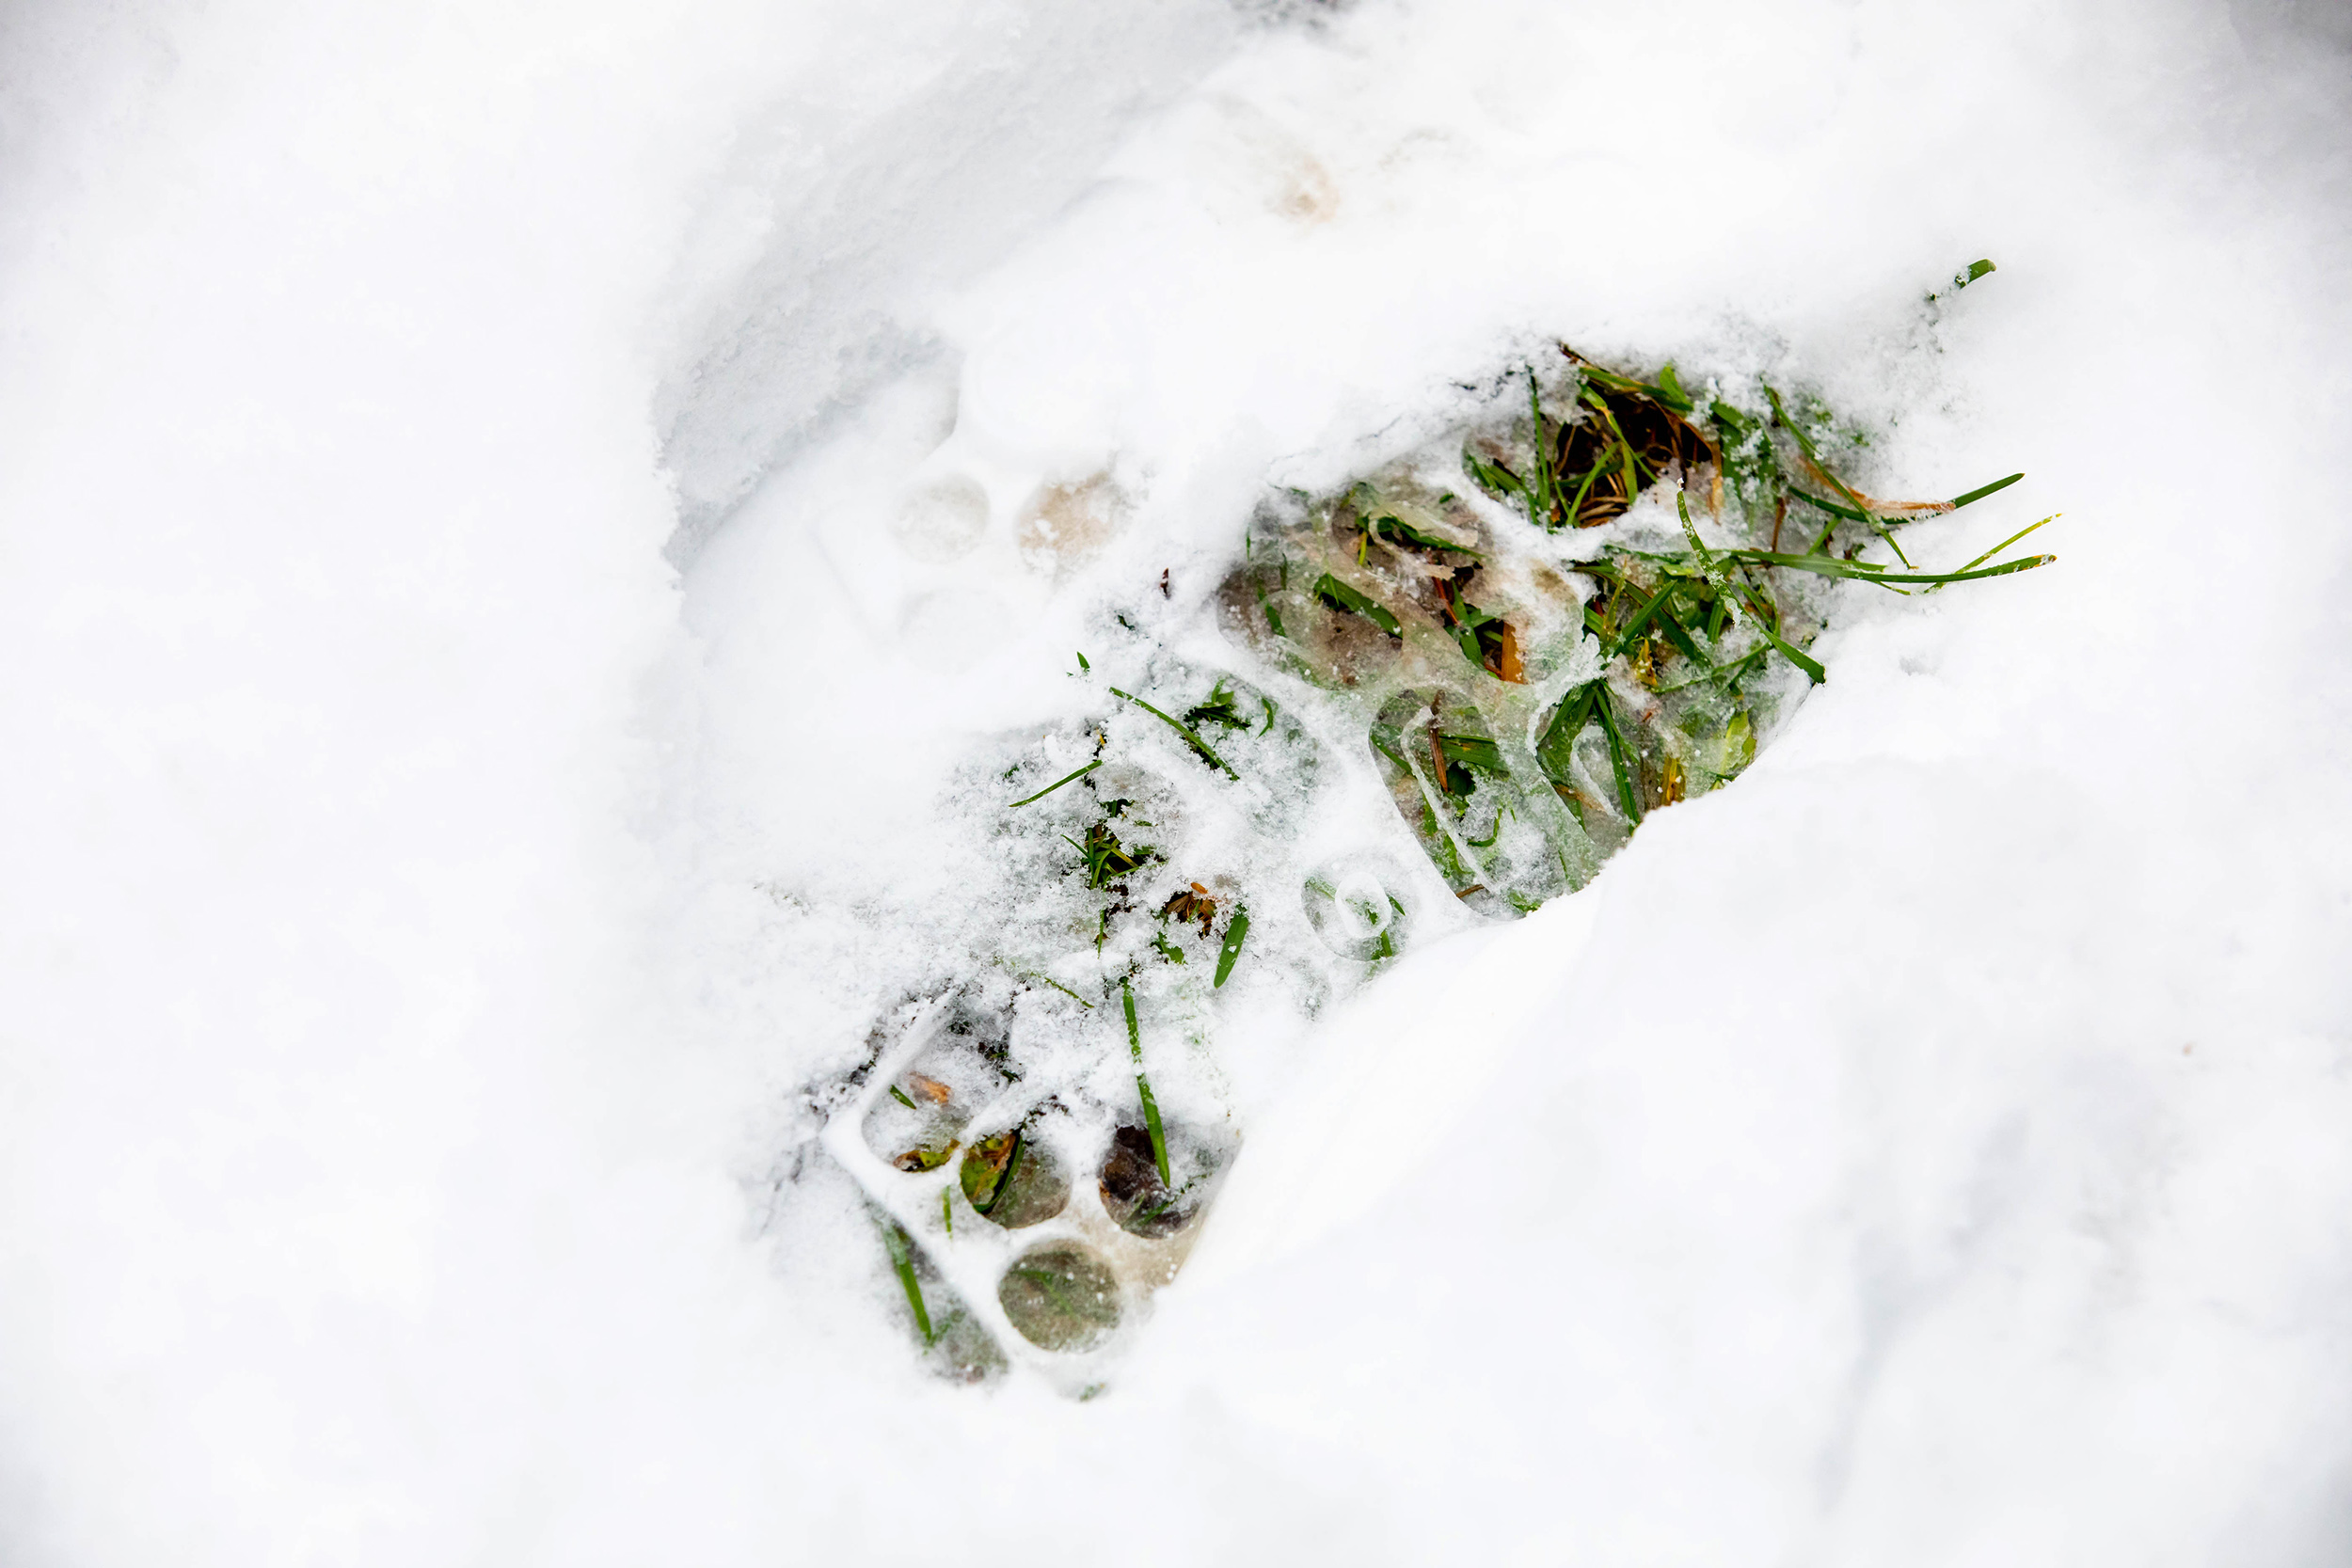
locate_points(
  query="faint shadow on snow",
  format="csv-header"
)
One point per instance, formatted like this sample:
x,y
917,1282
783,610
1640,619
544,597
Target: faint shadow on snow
x,y
842,216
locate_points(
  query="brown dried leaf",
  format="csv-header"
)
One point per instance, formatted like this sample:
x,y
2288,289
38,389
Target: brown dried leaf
x,y
1189,906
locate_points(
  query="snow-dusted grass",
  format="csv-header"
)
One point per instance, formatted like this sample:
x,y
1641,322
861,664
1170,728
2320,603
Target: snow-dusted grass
x,y
416,914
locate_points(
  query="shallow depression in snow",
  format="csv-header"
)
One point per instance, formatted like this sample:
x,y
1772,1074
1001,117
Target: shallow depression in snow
x,y
524,533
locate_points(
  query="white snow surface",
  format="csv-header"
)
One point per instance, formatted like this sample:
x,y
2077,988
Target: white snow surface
x,y
461,668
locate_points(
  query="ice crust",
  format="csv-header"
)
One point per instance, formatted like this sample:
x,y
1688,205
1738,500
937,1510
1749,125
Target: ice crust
x,y
420,919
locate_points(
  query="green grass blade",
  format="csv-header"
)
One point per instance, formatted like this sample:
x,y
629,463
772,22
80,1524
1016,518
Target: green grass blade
x,y
1718,671
1863,571
2024,564
1544,490
1387,525
1475,752
1492,476
1266,606
1236,932
1812,667
1143,1084
902,1261
1830,507
1984,490
1048,980
1708,565
1641,618
1556,751
2007,543
1192,737
1152,1124
1676,634
1627,795
1057,783
1585,487
1339,595
1466,638
1805,444
1666,391
1669,391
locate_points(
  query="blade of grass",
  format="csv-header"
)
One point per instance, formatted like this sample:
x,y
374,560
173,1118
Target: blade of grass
x,y
900,1096
1143,1084
903,1262
1493,476
1057,783
1984,490
1583,488
1465,634
2008,542
1805,444
1627,796
1715,574
1273,616
1331,591
1718,671
946,1212
1557,749
1236,932
2021,564
1797,656
1680,637
1192,737
1667,390
1641,618
1618,443
1048,980
1864,571
1830,507
1387,523
1919,510
1474,752
1146,1216
1542,494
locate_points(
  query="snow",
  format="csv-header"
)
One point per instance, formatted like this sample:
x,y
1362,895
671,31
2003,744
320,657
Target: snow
x,y
462,677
